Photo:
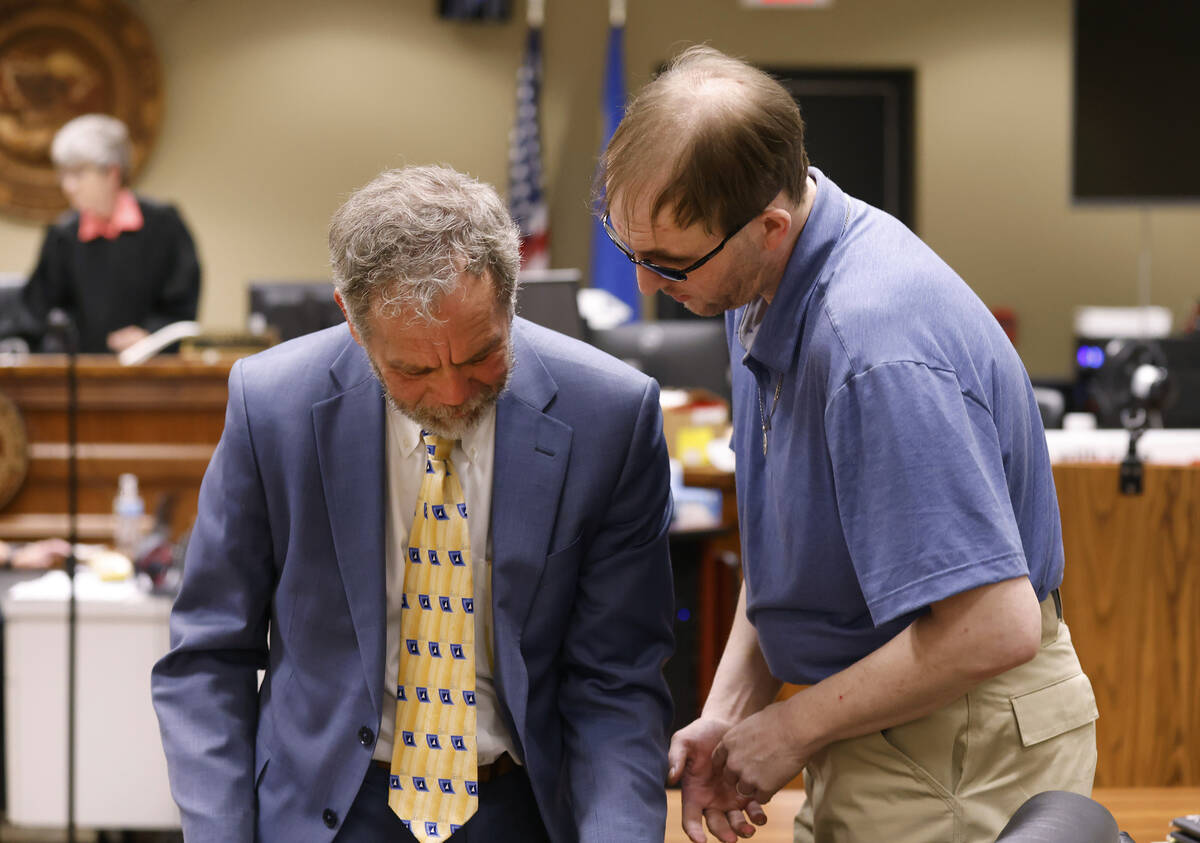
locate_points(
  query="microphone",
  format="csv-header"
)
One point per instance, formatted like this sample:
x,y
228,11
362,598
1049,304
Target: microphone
x,y
61,334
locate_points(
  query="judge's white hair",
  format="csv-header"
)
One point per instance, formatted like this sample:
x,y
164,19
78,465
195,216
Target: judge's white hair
x,y
96,140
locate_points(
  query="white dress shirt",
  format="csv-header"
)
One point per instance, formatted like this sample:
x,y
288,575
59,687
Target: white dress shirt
x,y
473,457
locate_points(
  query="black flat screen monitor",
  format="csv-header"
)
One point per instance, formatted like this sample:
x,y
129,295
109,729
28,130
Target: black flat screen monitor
x,y
1182,355
549,299
682,353
294,308
1136,87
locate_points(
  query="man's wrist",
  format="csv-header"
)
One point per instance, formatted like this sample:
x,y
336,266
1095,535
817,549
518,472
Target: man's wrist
x,y
724,709
797,726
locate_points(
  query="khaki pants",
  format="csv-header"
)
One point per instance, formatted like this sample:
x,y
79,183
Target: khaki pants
x,y
959,774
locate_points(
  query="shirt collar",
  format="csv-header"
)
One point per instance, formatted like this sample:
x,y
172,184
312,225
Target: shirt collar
x,y
779,332
126,216
470,447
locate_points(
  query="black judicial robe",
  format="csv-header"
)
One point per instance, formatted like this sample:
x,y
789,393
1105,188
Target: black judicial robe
x,y
149,278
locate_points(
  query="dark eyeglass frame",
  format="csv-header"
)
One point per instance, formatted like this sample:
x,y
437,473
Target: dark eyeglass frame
x,y
676,275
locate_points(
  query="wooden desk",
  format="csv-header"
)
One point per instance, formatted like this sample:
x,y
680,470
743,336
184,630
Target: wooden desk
x,y
1131,595
1144,812
160,421
720,577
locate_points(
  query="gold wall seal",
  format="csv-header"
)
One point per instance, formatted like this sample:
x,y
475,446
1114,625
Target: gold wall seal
x,y
60,59
14,451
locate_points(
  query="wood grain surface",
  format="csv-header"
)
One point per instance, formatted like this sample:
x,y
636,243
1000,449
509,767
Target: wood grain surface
x,y
1131,596
160,420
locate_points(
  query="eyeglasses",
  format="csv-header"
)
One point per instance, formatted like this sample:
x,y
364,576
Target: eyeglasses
x,y
666,271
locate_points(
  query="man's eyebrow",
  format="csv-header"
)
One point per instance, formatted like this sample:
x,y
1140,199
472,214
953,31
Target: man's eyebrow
x,y
654,255
408,368
485,351
659,256
414,369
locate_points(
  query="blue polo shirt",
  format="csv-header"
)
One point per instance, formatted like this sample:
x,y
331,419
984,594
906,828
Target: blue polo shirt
x,y
906,460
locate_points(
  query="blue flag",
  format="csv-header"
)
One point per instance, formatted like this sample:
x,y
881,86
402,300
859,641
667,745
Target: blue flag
x,y
611,270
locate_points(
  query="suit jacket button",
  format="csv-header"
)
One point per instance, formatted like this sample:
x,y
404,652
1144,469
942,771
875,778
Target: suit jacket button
x,y
330,818
365,736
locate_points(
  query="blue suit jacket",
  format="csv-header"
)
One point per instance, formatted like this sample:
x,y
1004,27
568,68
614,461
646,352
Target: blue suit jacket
x,y
285,571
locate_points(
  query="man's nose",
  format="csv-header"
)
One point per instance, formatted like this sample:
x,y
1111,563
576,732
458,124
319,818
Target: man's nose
x,y
649,282
452,388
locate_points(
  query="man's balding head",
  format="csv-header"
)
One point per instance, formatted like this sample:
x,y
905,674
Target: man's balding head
x,y
712,139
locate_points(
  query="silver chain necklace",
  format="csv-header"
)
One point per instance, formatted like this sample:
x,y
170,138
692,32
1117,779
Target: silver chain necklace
x,y
766,417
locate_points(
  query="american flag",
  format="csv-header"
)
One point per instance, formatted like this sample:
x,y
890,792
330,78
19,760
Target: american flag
x,y
525,197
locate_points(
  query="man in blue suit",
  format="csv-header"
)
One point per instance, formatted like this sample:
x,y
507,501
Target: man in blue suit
x,y
296,565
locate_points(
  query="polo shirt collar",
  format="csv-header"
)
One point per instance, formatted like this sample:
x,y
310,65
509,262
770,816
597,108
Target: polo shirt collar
x,y
782,324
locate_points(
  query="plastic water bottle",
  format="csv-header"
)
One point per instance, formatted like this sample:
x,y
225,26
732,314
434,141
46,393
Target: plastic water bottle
x,y
128,510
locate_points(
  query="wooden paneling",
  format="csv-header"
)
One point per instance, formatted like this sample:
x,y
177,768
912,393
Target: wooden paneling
x,y
1131,595
160,421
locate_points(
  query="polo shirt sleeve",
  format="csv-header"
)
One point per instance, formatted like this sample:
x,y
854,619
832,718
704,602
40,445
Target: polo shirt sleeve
x,y
921,488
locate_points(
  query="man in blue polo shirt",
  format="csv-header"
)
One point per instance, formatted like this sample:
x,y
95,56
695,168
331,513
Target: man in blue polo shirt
x,y
900,531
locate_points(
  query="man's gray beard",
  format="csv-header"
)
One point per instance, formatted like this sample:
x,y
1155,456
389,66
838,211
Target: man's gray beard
x,y
441,423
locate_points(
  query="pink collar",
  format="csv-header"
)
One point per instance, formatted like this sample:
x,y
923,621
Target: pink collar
x,y
126,216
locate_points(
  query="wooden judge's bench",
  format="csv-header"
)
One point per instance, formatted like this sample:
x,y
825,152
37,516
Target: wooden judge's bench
x,y
159,420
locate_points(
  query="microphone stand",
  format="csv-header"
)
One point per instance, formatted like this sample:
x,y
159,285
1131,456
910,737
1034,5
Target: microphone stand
x,y
62,324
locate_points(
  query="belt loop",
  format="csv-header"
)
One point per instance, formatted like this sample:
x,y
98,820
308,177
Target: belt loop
x,y
1051,611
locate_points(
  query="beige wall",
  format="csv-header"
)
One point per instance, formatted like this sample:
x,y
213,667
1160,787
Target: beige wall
x,y
276,109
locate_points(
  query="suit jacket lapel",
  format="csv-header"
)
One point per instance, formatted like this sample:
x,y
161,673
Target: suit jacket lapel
x,y
349,430
532,451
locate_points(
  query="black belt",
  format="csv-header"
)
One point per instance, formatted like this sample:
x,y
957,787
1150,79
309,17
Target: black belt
x,y
502,765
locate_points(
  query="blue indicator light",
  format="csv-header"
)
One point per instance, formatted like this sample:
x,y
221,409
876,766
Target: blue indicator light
x,y
1089,356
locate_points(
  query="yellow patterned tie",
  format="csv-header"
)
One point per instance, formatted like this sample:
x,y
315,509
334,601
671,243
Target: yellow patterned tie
x,y
433,785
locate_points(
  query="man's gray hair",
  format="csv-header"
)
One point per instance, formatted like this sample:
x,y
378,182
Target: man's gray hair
x,y
399,244
96,140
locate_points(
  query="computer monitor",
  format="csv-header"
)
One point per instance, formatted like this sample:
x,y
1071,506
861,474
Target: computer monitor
x,y
1182,356
11,287
548,298
683,353
293,308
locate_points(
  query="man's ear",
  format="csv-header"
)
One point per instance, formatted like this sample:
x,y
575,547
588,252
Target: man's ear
x,y
341,303
777,222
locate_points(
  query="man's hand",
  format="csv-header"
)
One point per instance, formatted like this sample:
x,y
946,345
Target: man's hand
x,y
760,755
704,793
47,553
122,338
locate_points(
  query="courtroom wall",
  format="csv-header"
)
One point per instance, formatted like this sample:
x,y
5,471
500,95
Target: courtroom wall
x,y
275,110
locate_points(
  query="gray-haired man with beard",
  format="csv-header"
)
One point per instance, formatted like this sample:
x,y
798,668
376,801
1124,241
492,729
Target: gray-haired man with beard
x,y
458,584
